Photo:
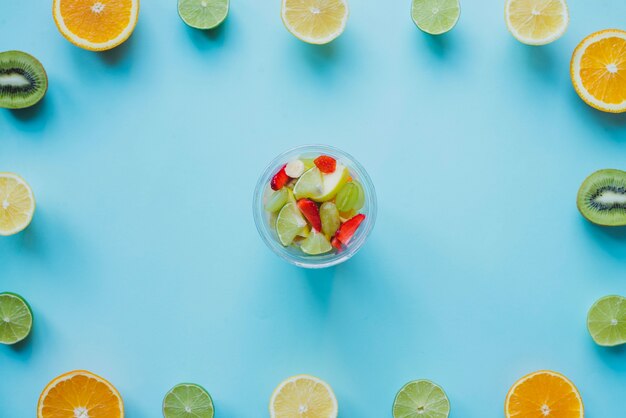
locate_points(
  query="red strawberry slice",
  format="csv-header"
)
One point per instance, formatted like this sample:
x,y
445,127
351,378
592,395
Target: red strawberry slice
x,y
311,212
326,164
348,228
336,243
280,179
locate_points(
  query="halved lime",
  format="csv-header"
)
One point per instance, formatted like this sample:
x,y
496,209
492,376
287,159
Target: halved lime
x,y
16,318
606,321
421,399
188,400
289,223
321,187
316,243
203,14
435,16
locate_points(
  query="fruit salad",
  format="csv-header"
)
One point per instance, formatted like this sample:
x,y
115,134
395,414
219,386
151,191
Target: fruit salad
x,y
313,203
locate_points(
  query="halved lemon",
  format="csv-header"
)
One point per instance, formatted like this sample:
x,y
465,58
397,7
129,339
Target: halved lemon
x,y
17,204
96,25
80,394
315,21
544,394
303,396
536,22
598,70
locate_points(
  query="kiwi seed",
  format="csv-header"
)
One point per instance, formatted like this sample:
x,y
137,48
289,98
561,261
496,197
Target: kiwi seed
x,y
602,198
23,80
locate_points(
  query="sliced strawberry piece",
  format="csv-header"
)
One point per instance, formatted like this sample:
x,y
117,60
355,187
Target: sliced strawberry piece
x,y
280,179
348,228
336,243
326,164
311,212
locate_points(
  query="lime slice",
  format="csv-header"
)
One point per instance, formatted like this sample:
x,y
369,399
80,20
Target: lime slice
x,y
316,243
203,14
436,16
16,318
421,399
321,187
289,223
606,321
188,401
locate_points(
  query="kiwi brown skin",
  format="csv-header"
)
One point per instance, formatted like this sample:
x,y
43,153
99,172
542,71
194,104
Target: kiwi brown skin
x,y
612,215
24,66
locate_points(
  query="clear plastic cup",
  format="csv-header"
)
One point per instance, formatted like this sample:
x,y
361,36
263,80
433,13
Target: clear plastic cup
x,y
293,254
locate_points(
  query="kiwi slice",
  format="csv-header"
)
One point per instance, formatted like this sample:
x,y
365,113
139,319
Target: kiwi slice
x,y
23,80
602,198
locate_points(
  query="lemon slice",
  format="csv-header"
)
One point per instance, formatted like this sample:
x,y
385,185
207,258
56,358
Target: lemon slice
x,y
321,187
598,70
289,223
17,204
303,397
537,22
315,21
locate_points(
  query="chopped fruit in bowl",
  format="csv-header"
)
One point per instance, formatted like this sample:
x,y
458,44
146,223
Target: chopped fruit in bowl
x,y
315,206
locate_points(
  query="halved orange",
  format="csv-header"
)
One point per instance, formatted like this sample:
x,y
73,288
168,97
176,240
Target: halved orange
x,y
80,394
96,25
544,394
598,70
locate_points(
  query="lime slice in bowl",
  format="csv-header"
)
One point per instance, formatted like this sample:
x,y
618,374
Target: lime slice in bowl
x,y
16,318
316,243
188,400
606,321
421,399
435,17
203,14
289,224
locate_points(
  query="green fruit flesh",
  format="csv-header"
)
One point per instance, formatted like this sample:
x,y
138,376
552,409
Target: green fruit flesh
x,y
421,399
277,200
289,224
602,198
347,197
188,401
315,244
435,16
361,199
16,318
330,219
23,80
606,321
315,185
203,14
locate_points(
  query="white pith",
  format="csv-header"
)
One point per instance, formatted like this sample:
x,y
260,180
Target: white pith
x,y
576,78
14,80
609,197
81,412
102,45
532,41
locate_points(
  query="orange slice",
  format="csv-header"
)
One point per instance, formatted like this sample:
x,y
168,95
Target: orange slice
x,y
544,394
598,70
96,25
80,394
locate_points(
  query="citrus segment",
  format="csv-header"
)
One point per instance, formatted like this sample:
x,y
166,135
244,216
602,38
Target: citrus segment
x,y
16,318
80,394
316,243
315,21
17,204
203,14
537,22
606,321
289,223
188,401
544,394
598,70
435,16
303,397
96,25
421,399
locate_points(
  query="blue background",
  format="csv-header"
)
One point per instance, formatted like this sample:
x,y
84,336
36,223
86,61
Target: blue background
x,y
143,263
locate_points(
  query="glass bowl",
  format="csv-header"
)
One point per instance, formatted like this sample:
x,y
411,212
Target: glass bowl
x,y
293,254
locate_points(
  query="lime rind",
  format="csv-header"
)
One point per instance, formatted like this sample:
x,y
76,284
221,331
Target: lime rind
x,y
16,318
316,244
289,224
203,14
421,399
435,17
188,400
606,321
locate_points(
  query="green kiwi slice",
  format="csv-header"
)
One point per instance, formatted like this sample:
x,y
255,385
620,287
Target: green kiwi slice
x,y
602,198
23,80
